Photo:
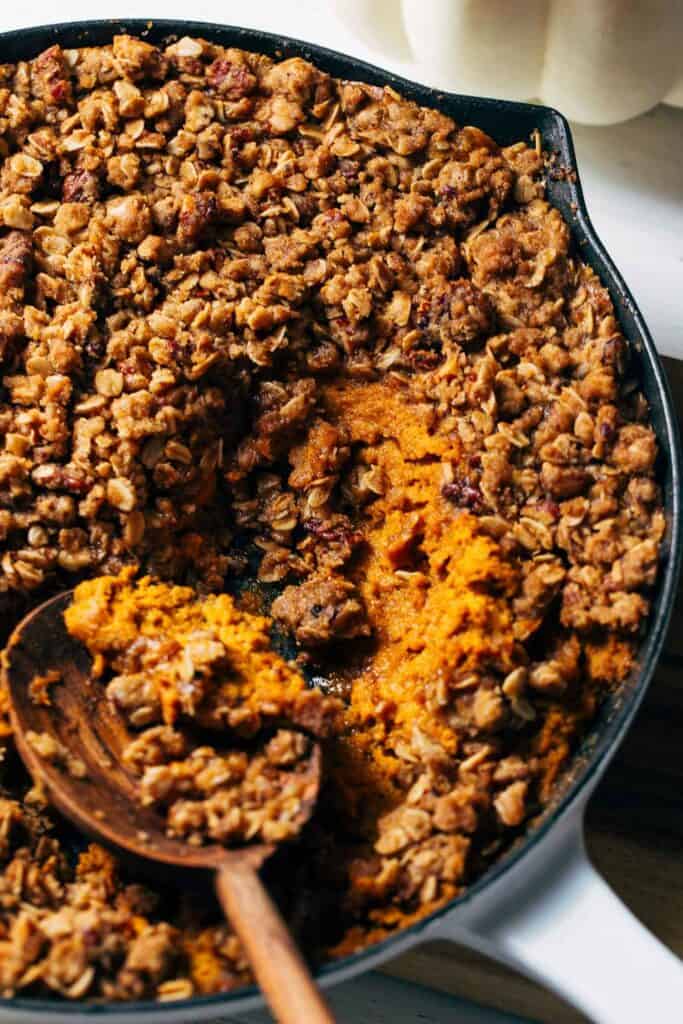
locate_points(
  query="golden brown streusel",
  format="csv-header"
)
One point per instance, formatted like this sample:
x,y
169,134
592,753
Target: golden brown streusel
x,y
50,748
174,663
241,299
39,687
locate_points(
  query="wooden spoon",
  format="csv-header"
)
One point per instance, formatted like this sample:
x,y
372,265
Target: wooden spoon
x,y
105,803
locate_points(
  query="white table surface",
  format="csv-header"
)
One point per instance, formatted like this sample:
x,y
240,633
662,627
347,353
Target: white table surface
x,y
633,180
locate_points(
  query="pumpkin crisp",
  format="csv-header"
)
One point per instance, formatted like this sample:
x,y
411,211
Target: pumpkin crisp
x,y
177,661
266,331
174,656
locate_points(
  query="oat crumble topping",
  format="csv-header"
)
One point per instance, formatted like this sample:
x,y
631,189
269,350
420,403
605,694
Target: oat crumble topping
x,y
243,302
51,749
185,671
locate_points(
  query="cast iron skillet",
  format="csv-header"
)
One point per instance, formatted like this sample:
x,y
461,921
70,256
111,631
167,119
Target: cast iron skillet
x,y
541,907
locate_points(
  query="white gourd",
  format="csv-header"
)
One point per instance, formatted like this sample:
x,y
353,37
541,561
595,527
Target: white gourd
x,y
598,61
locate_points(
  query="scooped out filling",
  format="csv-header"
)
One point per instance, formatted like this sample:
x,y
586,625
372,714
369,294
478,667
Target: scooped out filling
x,y
174,661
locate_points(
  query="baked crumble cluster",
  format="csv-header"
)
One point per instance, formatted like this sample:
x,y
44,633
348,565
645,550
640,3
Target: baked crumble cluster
x,y
247,307
182,671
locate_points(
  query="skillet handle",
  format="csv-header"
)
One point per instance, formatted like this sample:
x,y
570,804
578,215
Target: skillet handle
x,y
567,929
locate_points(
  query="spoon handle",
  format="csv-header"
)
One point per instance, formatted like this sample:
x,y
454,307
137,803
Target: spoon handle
x,y
278,965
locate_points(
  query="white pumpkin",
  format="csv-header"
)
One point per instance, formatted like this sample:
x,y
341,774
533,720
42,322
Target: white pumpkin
x,y
598,61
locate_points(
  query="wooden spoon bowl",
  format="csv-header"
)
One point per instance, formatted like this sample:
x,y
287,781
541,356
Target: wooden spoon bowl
x,y
105,802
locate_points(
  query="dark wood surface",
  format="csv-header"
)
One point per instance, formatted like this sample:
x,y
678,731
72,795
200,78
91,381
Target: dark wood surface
x,y
635,837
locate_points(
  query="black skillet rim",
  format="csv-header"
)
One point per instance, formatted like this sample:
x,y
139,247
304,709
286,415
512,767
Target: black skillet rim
x,y
507,122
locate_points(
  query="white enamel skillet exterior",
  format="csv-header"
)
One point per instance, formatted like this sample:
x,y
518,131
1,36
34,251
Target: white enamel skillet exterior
x,y
542,908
